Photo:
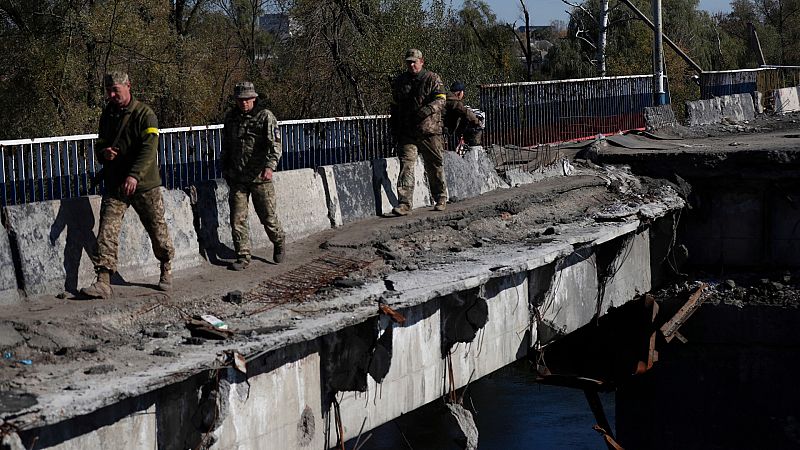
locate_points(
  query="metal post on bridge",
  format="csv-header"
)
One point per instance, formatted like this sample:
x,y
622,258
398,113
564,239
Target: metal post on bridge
x,y
660,96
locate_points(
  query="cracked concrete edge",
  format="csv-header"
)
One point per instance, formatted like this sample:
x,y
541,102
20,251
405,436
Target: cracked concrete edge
x,y
64,405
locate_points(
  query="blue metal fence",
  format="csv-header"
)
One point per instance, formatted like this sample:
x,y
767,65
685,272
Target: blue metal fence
x,y
747,81
535,113
62,167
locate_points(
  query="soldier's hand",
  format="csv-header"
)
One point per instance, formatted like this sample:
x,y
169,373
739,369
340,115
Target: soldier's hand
x,y
266,174
129,186
109,153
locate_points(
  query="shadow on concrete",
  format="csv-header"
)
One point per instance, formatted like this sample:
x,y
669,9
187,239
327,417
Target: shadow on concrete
x,y
382,183
76,217
206,222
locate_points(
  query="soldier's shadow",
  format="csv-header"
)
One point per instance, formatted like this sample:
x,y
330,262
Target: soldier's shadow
x,y
77,218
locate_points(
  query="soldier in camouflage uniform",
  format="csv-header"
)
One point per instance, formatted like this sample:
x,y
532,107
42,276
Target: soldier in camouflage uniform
x,y
127,147
460,120
418,99
251,148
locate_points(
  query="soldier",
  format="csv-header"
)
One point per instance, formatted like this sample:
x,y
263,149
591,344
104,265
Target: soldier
x,y
127,147
416,118
460,120
251,148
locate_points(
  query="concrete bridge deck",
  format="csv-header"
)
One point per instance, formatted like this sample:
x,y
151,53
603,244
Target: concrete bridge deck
x,y
477,285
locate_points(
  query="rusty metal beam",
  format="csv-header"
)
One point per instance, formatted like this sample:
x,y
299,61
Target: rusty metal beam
x,y
670,328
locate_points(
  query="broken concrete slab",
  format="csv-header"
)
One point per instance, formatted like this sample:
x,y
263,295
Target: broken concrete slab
x,y
471,175
9,336
657,117
786,100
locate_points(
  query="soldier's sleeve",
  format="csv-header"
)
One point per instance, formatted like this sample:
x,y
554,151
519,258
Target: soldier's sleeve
x,y
148,133
435,98
467,114
273,132
101,142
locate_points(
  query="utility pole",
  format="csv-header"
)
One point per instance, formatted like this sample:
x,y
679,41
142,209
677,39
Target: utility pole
x,y
658,57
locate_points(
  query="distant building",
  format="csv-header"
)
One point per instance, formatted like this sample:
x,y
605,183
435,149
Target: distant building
x,y
538,32
280,25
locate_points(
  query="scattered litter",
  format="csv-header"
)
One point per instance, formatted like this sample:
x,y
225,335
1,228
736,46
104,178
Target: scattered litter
x,y
10,357
214,321
205,328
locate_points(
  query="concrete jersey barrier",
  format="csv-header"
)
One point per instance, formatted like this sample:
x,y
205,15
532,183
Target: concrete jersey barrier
x,y
8,277
786,100
56,238
737,108
301,204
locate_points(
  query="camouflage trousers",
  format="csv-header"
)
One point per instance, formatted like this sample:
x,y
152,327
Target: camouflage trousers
x,y
264,204
149,205
432,152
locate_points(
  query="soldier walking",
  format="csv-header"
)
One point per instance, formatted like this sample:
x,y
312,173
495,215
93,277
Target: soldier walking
x,y
127,147
418,99
251,148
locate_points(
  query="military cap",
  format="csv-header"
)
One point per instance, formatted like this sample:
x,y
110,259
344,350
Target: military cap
x,y
115,77
457,86
244,89
413,55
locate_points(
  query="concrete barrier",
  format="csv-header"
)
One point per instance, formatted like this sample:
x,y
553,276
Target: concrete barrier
x,y
350,192
56,238
471,175
737,108
787,100
301,204
8,277
384,177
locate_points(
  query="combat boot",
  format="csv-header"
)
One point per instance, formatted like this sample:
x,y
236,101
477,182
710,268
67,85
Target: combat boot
x,y
401,210
100,288
165,280
243,262
278,253
440,205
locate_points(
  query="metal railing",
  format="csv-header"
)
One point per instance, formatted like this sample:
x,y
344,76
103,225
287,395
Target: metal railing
x,y
63,167
747,81
535,113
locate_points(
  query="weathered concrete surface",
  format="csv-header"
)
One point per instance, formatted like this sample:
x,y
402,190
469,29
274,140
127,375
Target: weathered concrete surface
x,y
8,278
470,175
786,100
56,238
301,204
736,108
657,117
385,173
351,186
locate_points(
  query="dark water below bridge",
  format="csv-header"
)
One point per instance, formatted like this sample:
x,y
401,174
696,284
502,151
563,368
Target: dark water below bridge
x,y
512,413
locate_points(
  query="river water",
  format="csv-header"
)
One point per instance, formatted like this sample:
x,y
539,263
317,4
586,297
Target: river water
x,y
512,412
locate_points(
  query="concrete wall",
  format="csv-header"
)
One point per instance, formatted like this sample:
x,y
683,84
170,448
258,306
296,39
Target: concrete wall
x,y
56,238
786,100
736,108
301,203
8,278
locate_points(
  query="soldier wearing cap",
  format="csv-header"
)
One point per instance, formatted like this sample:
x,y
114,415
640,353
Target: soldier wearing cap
x,y
127,147
251,148
418,99
460,120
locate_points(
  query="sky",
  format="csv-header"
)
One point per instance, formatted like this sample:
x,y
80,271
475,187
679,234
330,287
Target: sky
x,y
542,12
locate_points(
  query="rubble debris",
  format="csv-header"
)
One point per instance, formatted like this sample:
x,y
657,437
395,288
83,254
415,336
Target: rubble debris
x,y
100,369
234,297
204,329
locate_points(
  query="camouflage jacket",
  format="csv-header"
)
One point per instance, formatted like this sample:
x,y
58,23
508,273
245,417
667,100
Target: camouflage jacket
x,y
251,142
137,146
417,104
458,117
